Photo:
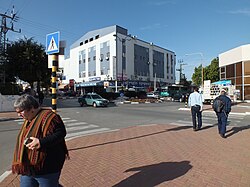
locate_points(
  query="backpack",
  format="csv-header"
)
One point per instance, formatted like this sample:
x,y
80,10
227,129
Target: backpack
x,y
218,105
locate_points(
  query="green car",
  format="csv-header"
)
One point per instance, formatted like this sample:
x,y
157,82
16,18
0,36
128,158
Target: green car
x,y
164,93
92,99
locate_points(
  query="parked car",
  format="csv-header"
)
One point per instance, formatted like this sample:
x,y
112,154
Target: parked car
x,y
92,99
153,95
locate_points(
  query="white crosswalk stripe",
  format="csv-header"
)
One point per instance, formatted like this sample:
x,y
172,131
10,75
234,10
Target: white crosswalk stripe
x,y
87,132
188,123
75,124
68,121
70,129
231,115
77,128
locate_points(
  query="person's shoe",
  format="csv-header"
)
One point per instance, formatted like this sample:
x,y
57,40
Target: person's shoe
x,y
194,129
199,128
223,135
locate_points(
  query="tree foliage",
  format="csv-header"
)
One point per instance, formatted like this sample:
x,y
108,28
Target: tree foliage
x,y
210,72
28,61
196,77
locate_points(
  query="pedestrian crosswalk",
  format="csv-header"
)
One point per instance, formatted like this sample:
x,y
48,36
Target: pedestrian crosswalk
x,y
210,119
77,128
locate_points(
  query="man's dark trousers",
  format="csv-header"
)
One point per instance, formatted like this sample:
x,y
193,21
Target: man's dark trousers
x,y
222,122
195,110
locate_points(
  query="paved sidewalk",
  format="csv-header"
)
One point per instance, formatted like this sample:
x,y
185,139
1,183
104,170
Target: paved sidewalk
x,y
157,155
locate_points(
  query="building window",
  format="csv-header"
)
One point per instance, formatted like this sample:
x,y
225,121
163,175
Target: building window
x,y
247,68
89,59
91,39
86,41
97,36
101,57
230,71
94,58
81,43
108,54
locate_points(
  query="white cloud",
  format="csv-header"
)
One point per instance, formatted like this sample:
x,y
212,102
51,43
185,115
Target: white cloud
x,y
241,11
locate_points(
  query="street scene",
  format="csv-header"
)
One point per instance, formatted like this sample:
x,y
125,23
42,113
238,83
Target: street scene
x,y
136,134
124,94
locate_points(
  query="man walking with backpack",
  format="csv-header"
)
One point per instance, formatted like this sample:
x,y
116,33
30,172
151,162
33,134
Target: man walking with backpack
x,y
222,107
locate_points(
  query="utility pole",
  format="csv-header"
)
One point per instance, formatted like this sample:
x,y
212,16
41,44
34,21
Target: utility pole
x,y
3,47
180,69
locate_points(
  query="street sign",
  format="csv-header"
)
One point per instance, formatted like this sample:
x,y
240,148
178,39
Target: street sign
x,y
52,43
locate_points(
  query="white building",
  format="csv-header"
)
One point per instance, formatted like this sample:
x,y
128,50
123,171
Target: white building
x,y
235,66
111,55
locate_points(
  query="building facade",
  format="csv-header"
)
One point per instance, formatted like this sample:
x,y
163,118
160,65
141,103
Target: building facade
x,y
111,55
235,66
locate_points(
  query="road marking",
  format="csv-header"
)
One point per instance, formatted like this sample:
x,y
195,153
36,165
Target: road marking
x,y
65,118
76,124
190,123
72,120
87,132
4,175
17,120
71,129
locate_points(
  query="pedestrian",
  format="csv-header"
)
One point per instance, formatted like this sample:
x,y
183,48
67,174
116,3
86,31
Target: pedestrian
x,y
40,97
40,149
222,115
195,102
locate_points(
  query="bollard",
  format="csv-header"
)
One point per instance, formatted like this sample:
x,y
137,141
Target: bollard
x,y
54,81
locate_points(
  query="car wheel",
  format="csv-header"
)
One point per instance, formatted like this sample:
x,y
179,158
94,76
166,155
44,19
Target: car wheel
x,y
94,105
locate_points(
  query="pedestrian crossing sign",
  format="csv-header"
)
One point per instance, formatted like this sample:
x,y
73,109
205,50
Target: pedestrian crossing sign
x,y
52,43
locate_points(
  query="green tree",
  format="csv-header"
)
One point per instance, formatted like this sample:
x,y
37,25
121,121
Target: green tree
x,y
212,71
196,77
28,61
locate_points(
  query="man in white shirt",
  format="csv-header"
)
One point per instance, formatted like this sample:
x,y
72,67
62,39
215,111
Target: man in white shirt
x,y
195,102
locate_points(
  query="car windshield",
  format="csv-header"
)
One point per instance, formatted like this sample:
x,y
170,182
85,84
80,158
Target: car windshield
x,y
96,97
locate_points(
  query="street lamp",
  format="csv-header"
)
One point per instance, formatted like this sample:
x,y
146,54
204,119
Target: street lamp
x,y
123,40
201,54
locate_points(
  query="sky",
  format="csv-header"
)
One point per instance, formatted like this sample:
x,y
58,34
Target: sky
x,y
196,30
